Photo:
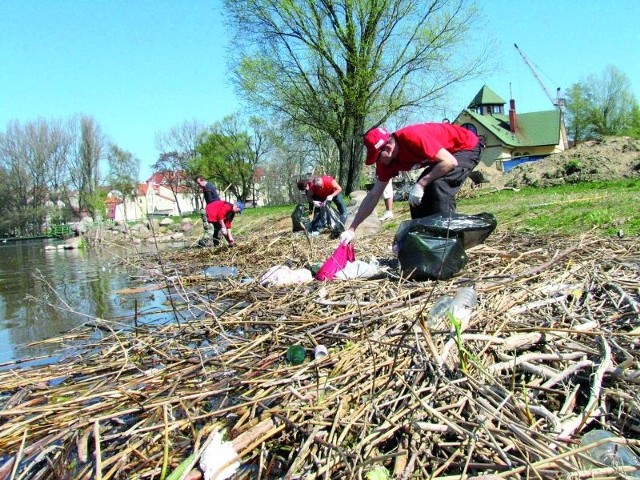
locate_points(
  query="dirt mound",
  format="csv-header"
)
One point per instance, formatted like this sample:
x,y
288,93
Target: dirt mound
x,y
613,158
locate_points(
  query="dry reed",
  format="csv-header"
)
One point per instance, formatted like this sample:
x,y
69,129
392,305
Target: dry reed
x,y
551,351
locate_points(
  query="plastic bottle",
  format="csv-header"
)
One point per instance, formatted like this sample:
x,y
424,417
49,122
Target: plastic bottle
x,y
460,306
438,313
221,272
466,297
609,453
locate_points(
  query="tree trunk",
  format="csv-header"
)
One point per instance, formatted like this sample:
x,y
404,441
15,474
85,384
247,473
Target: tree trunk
x,y
350,152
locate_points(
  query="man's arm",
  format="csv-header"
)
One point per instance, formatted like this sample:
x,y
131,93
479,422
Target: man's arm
x,y
337,189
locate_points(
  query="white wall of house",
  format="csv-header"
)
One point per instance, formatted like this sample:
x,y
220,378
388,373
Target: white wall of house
x,y
129,210
159,200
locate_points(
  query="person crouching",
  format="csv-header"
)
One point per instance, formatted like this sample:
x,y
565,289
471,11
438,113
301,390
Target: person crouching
x,y
220,214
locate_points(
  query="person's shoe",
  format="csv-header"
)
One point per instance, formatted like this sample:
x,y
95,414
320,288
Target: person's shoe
x,y
387,216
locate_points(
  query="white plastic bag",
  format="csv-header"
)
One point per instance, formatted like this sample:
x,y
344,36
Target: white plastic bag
x,y
282,276
358,269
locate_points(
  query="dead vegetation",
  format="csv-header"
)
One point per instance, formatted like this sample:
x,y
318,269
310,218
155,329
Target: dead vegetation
x,y
550,352
609,159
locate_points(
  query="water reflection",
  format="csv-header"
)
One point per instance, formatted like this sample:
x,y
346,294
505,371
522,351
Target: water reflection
x,y
44,294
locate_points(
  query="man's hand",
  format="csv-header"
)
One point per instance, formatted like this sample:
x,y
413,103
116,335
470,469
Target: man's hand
x,y
347,236
223,231
318,203
415,197
329,198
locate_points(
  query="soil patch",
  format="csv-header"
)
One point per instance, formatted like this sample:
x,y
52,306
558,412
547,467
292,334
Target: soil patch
x,y
612,158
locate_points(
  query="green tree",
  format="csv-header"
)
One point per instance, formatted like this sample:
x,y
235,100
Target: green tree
x,y
633,130
124,169
601,105
231,152
340,67
578,113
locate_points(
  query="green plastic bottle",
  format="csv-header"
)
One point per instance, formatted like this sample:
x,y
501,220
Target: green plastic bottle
x,y
295,354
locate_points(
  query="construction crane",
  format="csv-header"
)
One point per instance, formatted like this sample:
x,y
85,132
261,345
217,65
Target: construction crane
x,y
558,102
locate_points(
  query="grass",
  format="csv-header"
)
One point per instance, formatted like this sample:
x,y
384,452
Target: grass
x,y
603,207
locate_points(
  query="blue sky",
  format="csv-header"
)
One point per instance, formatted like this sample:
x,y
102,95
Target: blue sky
x,y
143,66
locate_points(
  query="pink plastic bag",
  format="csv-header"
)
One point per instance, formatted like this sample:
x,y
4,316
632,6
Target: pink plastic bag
x,y
336,262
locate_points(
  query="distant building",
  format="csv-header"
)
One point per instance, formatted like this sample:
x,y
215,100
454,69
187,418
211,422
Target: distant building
x,y
512,138
164,193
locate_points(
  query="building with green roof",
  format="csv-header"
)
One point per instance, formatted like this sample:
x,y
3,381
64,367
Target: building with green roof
x,y
512,138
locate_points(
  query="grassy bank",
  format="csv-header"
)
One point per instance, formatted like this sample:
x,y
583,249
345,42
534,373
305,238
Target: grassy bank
x,y
602,207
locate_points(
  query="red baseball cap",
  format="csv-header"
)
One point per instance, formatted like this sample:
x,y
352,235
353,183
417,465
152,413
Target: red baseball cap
x,y
374,140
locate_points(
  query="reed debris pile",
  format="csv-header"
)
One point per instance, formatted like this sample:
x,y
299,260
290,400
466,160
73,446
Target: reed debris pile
x,y
550,352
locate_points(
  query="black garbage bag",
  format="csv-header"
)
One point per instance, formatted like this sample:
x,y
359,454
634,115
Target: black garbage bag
x,y
327,218
434,247
426,257
299,218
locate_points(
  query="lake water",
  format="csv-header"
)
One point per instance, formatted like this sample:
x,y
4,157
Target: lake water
x,y
45,294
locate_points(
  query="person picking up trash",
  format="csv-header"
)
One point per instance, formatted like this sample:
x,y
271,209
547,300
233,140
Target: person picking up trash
x,y
321,190
448,152
220,214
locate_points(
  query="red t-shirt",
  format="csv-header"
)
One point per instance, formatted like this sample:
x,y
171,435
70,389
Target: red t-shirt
x,y
220,210
322,192
418,145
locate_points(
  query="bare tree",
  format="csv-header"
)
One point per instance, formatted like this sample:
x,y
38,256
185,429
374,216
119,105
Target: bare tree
x,y
601,105
15,152
34,156
178,150
612,101
85,164
340,67
173,167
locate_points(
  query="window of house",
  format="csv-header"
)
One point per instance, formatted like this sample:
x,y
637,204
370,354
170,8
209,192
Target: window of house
x,y
496,109
471,127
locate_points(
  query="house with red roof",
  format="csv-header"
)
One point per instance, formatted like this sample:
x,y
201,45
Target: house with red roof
x,y
163,194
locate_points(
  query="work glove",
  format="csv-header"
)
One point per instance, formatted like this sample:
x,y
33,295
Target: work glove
x,y
329,198
347,236
415,197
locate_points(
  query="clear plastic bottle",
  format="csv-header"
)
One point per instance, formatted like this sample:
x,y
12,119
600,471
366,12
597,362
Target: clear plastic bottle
x,y
220,272
438,314
460,306
609,453
466,297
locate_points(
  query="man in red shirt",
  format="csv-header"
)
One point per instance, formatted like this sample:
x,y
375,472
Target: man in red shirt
x,y
447,152
220,214
324,189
